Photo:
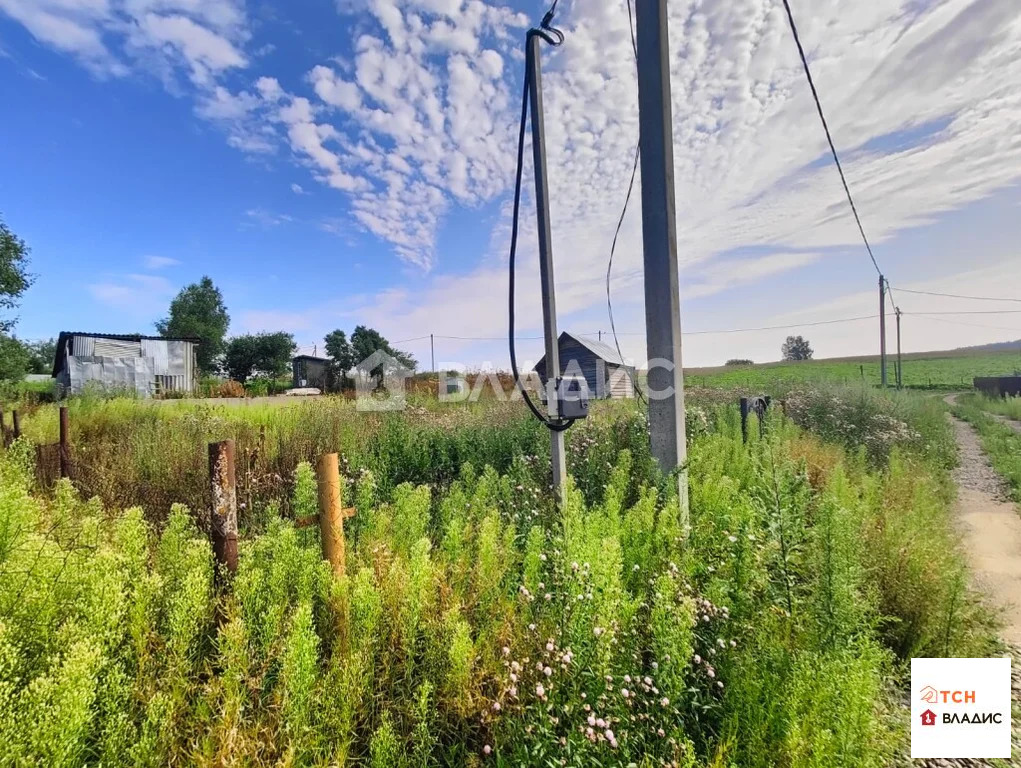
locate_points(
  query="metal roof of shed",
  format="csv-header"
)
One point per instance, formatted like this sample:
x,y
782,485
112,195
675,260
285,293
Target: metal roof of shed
x,y
598,348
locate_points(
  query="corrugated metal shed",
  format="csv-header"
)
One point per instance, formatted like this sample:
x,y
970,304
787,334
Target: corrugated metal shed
x,y
146,364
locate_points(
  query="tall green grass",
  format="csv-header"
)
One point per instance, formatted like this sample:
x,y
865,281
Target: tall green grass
x,y
1001,442
1004,406
476,624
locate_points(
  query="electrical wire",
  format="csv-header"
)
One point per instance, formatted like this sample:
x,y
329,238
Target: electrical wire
x,y
405,341
490,338
763,328
782,327
975,325
958,296
554,37
972,312
829,138
620,222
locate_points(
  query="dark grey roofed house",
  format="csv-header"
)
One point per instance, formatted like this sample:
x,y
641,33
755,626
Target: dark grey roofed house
x,y
606,374
149,365
310,371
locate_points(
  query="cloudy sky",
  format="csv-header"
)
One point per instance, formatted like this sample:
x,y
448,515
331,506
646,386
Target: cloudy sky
x,y
336,163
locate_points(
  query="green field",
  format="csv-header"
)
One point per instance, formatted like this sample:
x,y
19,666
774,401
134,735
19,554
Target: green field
x,y
927,370
476,622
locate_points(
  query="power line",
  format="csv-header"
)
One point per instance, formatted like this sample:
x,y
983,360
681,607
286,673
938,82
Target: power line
x,y
829,138
405,341
783,327
975,325
761,328
972,312
489,338
620,221
959,296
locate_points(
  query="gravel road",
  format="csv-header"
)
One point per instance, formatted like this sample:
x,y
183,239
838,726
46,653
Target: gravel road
x,y
990,527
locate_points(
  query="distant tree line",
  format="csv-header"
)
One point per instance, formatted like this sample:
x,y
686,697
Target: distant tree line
x,y
198,311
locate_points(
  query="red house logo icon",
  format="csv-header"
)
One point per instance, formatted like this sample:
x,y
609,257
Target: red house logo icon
x,y
928,717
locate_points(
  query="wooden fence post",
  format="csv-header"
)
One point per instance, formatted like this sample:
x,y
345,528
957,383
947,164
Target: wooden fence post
x,y
65,448
331,512
744,419
224,520
3,430
16,418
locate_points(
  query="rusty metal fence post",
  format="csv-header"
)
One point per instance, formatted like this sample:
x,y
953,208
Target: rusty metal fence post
x,y
65,448
224,519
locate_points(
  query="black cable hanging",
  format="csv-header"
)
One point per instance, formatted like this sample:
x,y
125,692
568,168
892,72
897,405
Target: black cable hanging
x,y
829,138
554,37
620,222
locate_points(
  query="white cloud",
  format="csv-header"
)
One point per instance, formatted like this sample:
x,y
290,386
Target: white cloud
x,y
267,219
114,38
420,119
298,189
136,294
921,101
160,262
411,124
204,51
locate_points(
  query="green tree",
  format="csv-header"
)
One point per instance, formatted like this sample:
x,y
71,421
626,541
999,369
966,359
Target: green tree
x,y
367,341
198,312
796,348
342,359
340,350
14,276
42,353
15,359
263,354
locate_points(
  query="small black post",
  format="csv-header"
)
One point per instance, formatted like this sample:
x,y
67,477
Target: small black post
x,y
744,419
65,443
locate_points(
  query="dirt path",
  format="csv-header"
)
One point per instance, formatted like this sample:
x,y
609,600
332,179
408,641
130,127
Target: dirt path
x,y
991,526
1015,425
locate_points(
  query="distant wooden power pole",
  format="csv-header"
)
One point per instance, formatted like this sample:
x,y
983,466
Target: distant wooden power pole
x,y
882,330
900,375
659,234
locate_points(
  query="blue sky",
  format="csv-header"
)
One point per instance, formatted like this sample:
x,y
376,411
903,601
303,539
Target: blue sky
x,y
330,164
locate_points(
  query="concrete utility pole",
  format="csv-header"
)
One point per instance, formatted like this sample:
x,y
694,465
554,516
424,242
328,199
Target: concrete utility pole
x,y
549,300
900,379
659,234
882,330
